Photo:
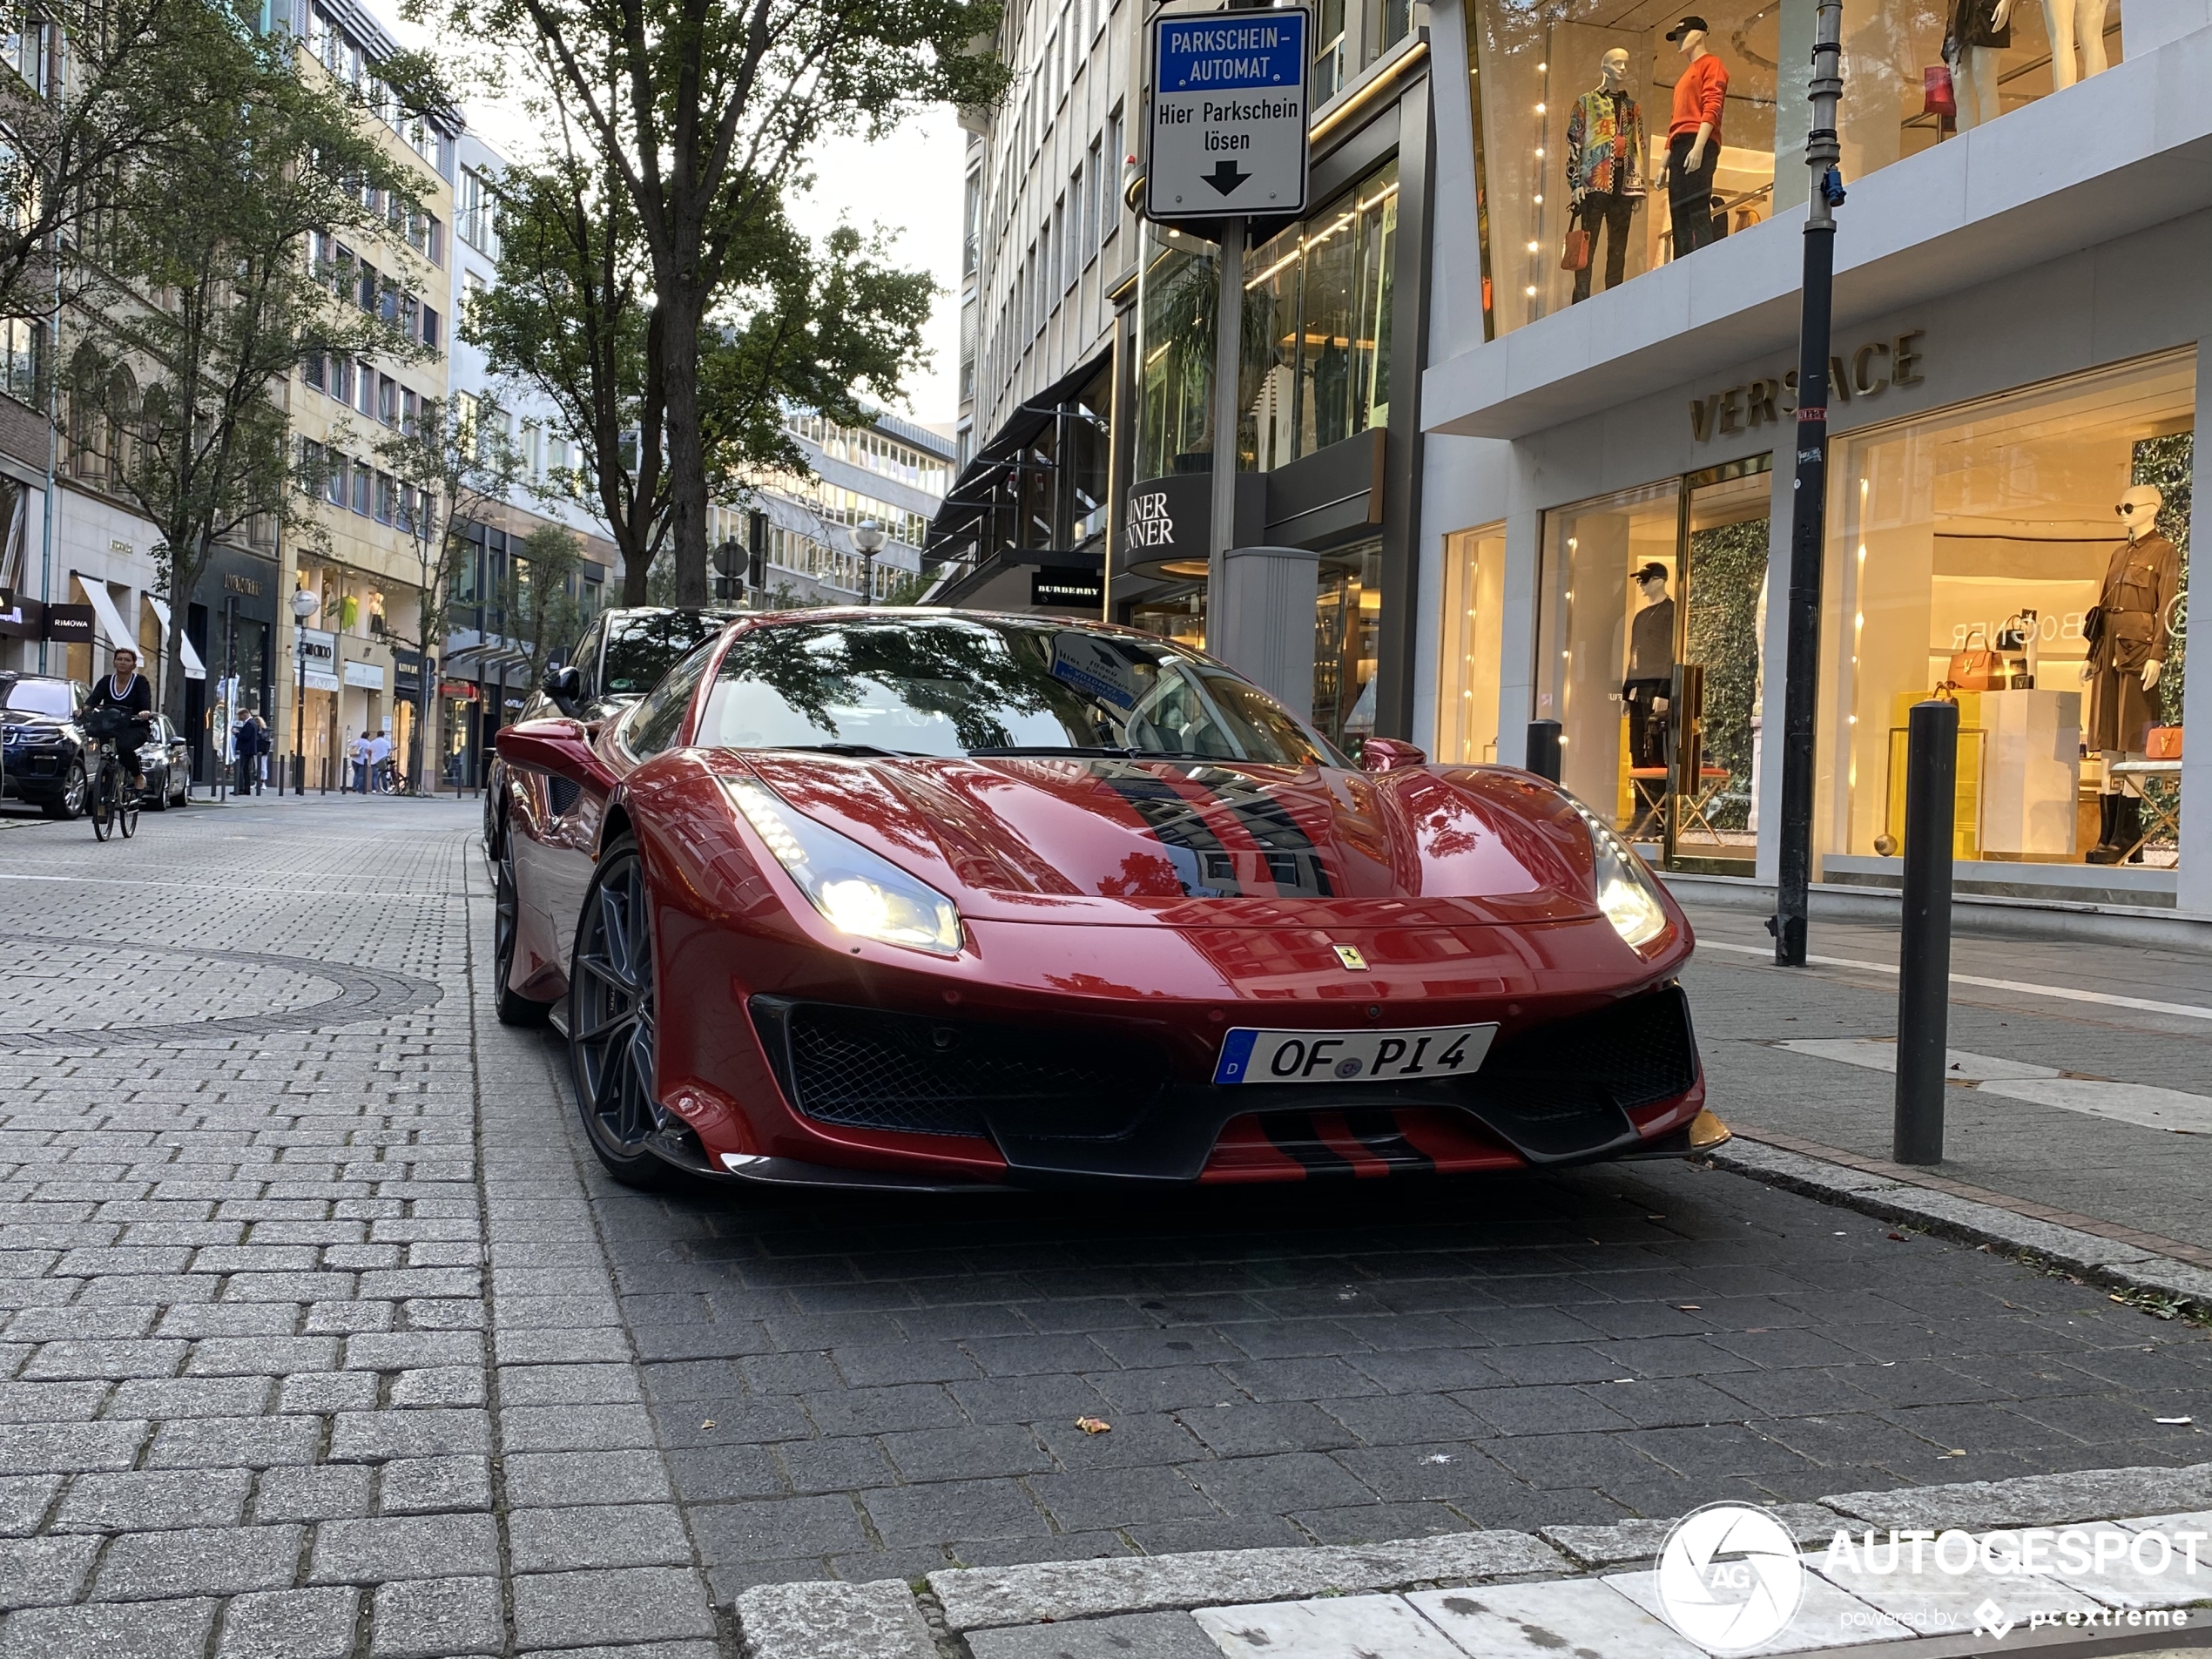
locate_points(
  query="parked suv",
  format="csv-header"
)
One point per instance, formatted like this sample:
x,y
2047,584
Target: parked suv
x,y
41,743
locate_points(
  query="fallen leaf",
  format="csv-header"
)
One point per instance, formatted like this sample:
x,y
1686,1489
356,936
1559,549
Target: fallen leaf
x,y
1692,1307
1900,1238
2173,1422
1625,1380
1955,1450
1093,1424
1657,1217
1438,1457
708,1423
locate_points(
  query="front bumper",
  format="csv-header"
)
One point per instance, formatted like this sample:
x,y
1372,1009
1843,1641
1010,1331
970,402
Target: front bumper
x,y
1030,1106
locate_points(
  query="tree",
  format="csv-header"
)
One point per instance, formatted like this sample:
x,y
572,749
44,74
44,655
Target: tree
x,y
544,602
697,116
454,466
206,300
572,318
138,70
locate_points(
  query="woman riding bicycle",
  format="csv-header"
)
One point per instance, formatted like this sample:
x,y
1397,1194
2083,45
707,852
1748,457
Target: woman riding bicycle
x,y
129,691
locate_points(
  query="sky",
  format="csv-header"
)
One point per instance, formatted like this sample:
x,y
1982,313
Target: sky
x,y
908,184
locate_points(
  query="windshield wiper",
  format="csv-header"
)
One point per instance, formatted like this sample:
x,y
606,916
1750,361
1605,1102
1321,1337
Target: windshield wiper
x,y
862,750
1103,750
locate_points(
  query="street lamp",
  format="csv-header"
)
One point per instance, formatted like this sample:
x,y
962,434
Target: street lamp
x,y
304,606
867,536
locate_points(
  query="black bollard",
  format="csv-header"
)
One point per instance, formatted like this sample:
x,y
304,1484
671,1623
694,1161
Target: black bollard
x,y
1924,956
1543,749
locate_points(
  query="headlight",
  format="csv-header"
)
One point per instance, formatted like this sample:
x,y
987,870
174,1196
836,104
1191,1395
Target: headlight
x,y
1626,891
857,892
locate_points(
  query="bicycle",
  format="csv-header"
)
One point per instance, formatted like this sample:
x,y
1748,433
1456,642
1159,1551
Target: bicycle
x,y
113,798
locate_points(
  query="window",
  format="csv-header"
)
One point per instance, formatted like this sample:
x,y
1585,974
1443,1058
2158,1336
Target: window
x,y
1094,198
387,498
430,327
410,412
370,287
475,212
1468,678
387,400
364,489
334,484
311,370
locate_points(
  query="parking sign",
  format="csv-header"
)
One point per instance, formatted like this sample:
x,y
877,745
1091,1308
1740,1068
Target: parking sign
x,y
1228,122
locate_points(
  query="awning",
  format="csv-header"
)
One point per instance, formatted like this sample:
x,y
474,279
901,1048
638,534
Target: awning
x,y
106,615
194,669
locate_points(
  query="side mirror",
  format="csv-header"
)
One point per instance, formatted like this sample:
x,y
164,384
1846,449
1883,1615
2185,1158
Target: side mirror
x,y
565,687
1389,754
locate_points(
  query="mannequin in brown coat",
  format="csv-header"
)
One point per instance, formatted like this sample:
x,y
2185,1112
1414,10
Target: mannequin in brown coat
x,y
2133,640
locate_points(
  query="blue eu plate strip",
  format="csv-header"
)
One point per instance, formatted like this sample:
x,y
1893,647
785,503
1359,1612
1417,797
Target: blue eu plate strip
x,y
1235,1054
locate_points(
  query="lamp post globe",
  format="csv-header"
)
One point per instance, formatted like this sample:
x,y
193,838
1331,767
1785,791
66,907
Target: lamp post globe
x,y
869,537
304,606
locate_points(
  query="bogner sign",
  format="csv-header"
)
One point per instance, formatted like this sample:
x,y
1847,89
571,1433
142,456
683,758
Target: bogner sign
x,y
1228,125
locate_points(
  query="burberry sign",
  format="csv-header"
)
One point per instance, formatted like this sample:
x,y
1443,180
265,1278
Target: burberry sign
x,y
1868,372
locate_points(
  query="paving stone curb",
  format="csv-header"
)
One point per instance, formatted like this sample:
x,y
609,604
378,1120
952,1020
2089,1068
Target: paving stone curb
x,y
2112,1263
883,1620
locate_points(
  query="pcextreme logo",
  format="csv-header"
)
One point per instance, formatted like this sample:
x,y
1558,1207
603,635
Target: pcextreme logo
x,y
1729,1578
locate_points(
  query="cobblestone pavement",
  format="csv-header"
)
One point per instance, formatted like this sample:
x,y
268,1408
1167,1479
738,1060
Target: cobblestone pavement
x,y
325,1337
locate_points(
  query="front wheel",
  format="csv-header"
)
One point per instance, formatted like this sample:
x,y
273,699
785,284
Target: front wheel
x,y
103,805
126,806
610,1017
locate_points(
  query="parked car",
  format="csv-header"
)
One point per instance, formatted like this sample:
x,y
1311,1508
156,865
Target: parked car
x,y
41,745
622,656
940,900
166,761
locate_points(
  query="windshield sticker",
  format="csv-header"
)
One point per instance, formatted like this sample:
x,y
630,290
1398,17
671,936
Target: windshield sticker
x,y
1092,665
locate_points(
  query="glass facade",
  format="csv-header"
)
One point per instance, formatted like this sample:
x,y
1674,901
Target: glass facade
x,y
1968,550
1575,103
1651,615
1467,709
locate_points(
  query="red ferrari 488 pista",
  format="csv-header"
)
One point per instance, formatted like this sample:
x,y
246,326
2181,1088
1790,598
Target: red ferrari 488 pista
x,y
925,898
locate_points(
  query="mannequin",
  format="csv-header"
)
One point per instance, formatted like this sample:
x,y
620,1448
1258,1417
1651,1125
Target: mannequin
x,y
2125,662
2074,23
1981,30
1693,136
1650,676
1605,168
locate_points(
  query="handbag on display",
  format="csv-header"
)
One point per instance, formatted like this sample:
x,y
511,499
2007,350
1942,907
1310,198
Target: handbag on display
x,y
1978,669
2093,626
1577,254
1938,95
2164,743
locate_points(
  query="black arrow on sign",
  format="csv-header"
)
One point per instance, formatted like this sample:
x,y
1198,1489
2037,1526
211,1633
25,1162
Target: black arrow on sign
x,y
1224,177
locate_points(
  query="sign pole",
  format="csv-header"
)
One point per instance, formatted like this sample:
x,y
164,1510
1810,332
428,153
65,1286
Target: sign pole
x,y
1229,333
1809,505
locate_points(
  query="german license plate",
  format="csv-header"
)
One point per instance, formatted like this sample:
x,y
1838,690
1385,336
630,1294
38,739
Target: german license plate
x,y
1249,1056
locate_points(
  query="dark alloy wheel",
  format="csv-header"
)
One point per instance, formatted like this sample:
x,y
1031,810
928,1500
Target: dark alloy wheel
x,y
610,1017
512,1007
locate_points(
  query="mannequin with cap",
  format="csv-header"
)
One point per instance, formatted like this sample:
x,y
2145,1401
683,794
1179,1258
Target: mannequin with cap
x,y
1694,136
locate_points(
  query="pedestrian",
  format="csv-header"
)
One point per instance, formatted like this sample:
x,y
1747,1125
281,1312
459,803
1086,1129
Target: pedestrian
x,y
357,752
379,761
249,741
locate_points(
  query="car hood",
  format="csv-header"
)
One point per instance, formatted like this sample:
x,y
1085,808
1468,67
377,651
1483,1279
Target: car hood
x,y
34,726
1206,843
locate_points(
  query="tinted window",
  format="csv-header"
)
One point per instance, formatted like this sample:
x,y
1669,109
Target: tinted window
x,y
641,645
651,726
949,686
586,661
37,696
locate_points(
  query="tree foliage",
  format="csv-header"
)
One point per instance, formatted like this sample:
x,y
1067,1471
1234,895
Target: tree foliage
x,y
544,601
696,117
202,301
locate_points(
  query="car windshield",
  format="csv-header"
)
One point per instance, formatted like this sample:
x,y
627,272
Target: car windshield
x,y
954,685
644,646
36,697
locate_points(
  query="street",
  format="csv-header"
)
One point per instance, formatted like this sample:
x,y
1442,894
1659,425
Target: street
x,y
329,1336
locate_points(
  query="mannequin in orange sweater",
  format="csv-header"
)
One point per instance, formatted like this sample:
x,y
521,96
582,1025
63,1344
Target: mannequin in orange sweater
x,y
1693,136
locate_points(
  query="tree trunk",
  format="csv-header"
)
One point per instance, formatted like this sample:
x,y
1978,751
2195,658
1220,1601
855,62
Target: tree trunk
x,y
680,307
171,673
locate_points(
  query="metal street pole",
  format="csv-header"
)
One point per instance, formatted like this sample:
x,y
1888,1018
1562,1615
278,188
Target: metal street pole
x,y
1809,515
1923,956
1229,330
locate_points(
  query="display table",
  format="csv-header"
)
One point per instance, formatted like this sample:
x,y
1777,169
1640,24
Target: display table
x,y
2032,773
2158,783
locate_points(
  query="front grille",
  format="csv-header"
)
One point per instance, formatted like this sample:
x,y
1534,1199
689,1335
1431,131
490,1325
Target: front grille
x,y
865,1069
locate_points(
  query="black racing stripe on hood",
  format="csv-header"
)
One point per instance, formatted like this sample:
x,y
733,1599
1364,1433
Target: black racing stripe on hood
x,y
1200,862
1293,862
